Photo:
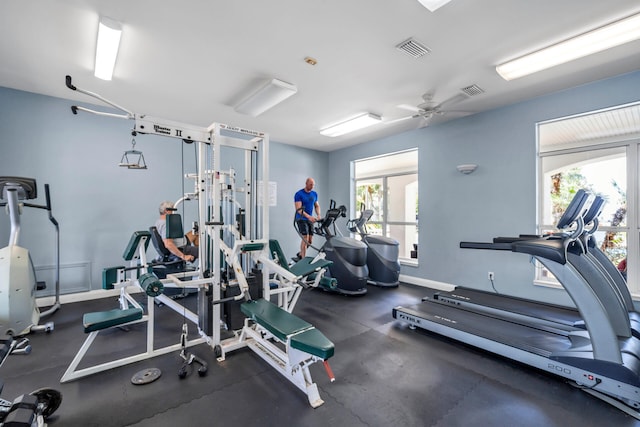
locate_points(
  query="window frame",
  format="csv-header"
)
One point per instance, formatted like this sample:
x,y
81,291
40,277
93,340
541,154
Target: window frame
x,y
385,223
632,227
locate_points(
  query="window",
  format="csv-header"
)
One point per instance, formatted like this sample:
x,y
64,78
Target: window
x,y
388,185
597,152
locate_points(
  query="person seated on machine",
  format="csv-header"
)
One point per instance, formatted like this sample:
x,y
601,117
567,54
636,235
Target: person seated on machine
x,y
178,247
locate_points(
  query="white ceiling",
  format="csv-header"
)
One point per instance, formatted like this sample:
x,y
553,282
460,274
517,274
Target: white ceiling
x,y
191,61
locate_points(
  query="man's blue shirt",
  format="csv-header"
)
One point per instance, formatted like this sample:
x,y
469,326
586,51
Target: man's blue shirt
x,y
308,201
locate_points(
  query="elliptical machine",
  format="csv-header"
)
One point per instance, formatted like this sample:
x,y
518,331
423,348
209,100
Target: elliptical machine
x,y
382,253
19,313
349,256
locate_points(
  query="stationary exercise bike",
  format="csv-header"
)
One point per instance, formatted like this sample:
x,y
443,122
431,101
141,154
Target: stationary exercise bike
x,y
19,313
27,410
382,253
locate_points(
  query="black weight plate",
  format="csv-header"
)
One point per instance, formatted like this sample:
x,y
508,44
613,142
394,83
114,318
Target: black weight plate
x,y
50,398
146,376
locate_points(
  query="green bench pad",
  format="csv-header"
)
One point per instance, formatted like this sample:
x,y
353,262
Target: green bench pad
x,y
313,342
250,247
279,322
105,319
283,324
278,254
304,267
134,241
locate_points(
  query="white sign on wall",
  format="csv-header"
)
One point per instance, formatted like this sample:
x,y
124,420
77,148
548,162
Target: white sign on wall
x,y
273,193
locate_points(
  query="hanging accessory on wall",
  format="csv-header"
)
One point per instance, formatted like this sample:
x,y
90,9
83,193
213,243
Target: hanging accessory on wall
x,y
133,159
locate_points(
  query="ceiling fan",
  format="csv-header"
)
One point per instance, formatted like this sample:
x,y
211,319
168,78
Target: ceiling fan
x,y
428,109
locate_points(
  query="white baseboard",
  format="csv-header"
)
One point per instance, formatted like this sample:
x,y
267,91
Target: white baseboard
x,y
442,286
102,293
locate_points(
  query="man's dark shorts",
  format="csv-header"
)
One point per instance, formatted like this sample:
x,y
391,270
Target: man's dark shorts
x,y
304,227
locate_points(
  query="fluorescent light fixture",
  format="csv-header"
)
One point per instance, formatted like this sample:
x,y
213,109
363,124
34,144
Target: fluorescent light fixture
x,y
109,32
603,38
268,96
432,5
356,123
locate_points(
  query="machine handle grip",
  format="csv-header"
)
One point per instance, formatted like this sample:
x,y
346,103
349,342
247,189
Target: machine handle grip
x,y
69,85
48,207
47,196
74,109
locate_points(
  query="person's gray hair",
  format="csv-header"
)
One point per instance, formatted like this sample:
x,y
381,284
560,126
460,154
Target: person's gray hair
x,y
164,206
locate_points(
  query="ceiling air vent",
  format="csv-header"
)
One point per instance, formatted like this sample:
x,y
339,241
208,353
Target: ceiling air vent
x,y
472,90
413,48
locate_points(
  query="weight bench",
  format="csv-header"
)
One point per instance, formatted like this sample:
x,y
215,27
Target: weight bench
x,y
99,320
303,343
130,311
93,323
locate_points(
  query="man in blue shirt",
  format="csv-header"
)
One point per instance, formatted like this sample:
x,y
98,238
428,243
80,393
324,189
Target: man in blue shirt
x,y
306,201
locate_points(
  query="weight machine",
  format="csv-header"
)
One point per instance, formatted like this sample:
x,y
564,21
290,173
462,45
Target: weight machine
x,y
233,218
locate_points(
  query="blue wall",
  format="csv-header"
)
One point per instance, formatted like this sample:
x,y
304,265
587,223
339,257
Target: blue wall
x,y
99,204
498,199
290,167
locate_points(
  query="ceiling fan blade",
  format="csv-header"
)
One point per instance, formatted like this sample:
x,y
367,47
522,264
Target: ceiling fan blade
x,y
427,106
451,101
409,108
401,119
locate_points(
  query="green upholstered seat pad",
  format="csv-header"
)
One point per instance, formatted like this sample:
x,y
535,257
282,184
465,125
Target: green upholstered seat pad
x,y
304,267
278,254
130,250
110,276
283,324
249,247
313,342
274,319
105,319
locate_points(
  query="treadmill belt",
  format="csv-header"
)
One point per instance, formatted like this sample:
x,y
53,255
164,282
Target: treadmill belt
x,y
564,317
525,338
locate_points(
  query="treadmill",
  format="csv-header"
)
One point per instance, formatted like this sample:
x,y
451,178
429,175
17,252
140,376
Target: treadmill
x,y
604,358
520,310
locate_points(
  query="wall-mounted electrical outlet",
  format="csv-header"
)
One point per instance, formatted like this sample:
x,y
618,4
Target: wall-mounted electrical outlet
x,y
490,275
